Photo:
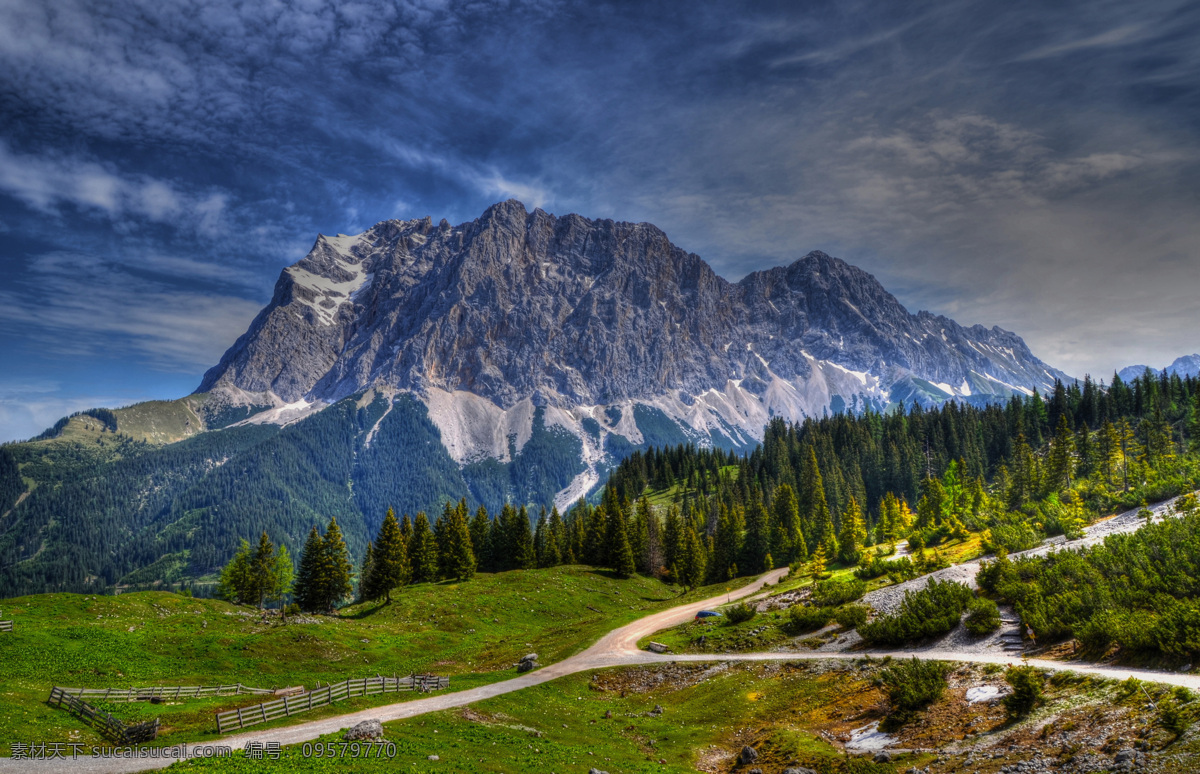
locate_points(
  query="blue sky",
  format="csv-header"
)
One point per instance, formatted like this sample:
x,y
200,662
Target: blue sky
x,y
1031,165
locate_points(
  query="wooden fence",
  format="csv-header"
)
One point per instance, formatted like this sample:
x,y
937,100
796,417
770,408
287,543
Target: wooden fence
x,y
291,705
166,692
103,722
5,626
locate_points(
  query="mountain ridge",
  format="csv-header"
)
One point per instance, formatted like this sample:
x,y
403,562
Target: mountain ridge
x,y
517,310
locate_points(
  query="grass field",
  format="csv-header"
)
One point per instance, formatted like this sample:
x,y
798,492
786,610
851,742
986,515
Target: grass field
x,y
473,632
794,715
565,726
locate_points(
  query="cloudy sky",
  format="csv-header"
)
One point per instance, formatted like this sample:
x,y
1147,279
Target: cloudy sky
x,y
1027,164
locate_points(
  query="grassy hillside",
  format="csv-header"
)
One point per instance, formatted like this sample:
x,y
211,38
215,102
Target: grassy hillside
x,y
474,631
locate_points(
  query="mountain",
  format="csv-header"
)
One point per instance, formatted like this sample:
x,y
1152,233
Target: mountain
x,y
513,358
1188,365
599,328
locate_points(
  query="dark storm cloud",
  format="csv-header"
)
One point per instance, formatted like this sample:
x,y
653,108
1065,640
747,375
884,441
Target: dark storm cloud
x,y
1025,164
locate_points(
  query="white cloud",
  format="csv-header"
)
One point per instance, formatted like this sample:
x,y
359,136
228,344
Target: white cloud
x,y
76,304
46,183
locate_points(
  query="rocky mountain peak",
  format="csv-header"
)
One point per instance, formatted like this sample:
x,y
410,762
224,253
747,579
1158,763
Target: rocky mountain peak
x,y
524,307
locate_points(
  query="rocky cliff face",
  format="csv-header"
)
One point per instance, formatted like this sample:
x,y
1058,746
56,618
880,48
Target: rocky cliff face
x,y
598,328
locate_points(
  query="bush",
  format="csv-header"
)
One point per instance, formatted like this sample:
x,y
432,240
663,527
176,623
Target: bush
x,y
1026,683
805,618
930,612
912,686
833,593
1173,715
983,617
851,616
739,613
1011,538
897,570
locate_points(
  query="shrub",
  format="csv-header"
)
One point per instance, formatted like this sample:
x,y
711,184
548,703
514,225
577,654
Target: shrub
x,y
851,616
1173,716
930,612
739,613
1026,683
805,618
897,570
833,593
912,686
983,617
1011,538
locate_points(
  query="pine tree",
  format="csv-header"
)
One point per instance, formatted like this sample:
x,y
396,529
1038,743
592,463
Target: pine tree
x,y
367,583
726,545
692,564
932,505
854,532
310,578
262,571
622,554
337,570
814,509
818,562
390,567
1061,468
422,551
557,546
787,538
540,537
481,534
639,533
459,555
1194,425
235,576
1108,445
756,546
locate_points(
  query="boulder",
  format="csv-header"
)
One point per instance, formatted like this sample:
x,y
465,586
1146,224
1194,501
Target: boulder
x,y
658,647
366,731
527,666
883,757
748,755
529,657
596,771
795,770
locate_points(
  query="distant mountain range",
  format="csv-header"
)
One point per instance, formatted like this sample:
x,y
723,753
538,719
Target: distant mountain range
x,y
1188,365
516,357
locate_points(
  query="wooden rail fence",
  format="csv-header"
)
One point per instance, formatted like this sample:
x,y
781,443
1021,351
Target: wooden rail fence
x,y
103,722
166,692
5,626
291,705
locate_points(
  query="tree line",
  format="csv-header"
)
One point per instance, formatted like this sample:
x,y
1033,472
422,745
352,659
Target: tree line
x,y
824,490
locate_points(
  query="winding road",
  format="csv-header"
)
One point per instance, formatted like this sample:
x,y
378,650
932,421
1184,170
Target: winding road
x,y
617,648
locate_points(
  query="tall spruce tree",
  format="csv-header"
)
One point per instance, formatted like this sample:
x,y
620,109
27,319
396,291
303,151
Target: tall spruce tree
x,y
622,554
422,551
310,578
367,585
390,568
814,508
854,532
337,570
459,555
